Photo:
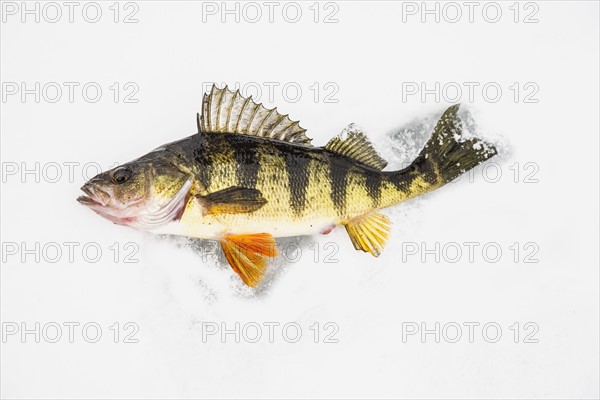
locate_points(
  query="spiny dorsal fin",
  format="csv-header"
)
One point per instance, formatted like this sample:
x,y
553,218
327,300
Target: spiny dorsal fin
x,y
354,144
369,232
224,111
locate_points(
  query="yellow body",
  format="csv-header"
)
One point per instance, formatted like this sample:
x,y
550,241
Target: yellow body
x,y
319,212
251,174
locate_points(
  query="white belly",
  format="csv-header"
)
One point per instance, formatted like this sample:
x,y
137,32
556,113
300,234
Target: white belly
x,y
215,229
194,224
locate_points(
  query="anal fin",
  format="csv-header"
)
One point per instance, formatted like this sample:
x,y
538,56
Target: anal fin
x,y
369,232
247,255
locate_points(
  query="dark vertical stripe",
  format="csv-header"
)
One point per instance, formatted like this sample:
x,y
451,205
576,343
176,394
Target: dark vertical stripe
x,y
338,171
203,156
373,186
246,156
403,180
297,169
420,167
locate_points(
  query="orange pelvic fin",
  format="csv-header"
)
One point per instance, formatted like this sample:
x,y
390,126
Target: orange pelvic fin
x,y
369,232
247,255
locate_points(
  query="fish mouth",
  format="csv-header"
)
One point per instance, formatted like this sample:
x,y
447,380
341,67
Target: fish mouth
x,y
88,201
93,196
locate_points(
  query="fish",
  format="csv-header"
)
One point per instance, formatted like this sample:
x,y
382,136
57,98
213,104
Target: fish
x,y
250,175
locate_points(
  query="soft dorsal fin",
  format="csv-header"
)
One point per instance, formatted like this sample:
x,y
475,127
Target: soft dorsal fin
x,y
224,111
354,144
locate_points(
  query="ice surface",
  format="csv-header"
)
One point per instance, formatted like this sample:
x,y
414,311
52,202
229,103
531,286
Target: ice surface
x,y
546,196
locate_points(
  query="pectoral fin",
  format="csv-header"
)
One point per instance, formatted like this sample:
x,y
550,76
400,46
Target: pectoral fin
x,y
369,232
247,255
232,200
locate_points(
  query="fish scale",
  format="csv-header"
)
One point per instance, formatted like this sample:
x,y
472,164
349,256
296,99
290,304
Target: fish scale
x,y
279,171
251,174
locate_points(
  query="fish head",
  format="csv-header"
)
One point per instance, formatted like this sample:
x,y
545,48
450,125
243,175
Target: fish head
x,y
145,193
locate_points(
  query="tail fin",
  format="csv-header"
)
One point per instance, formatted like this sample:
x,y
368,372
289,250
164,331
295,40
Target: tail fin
x,y
447,153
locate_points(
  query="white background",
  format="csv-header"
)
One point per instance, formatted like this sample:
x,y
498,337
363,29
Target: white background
x,y
172,293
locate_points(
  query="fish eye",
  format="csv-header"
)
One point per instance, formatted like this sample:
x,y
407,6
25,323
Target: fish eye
x,y
121,175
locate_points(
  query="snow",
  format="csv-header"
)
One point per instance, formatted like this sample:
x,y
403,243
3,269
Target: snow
x,y
362,307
